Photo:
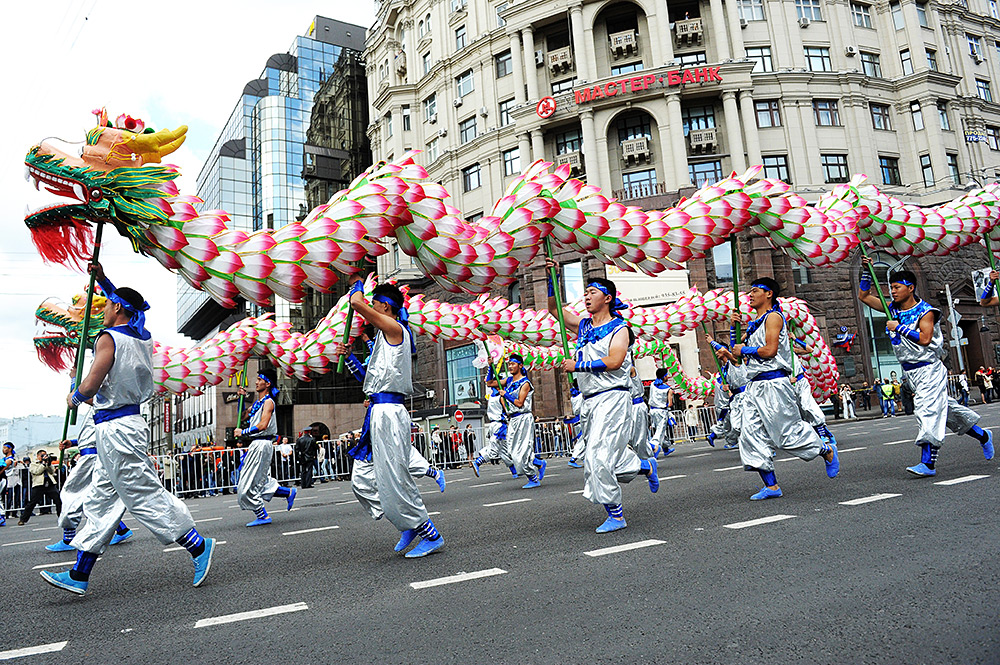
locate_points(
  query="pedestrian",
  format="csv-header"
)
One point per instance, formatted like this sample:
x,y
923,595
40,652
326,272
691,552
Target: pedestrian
x,y
323,457
601,370
256,484
120,379
847,397
885,394
866,396
897,396
988,384
305,454
691,421
495,446
43,486
963,389
771,419
906,397
286,462
837,403
469,440
915,332
661,400
518,394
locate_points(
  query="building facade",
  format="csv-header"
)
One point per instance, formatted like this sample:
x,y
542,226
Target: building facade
x,y
649,99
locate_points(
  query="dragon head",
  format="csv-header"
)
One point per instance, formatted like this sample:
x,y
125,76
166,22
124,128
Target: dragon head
x,y
61,325
112,176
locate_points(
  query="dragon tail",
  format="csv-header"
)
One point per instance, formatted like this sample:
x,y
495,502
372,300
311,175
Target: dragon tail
x,y
67,242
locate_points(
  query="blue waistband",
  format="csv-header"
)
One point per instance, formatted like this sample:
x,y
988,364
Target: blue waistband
x,y
387,398
88,451
637,400
911,366
602,392
770,375
659,408
104,415
740,389
800,376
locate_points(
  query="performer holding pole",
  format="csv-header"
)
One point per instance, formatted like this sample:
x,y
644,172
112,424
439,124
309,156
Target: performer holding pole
x,y
519,393
989,295
85,332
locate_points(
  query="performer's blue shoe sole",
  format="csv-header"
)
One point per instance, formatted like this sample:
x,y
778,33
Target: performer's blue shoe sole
x,y
730,446
668,451
711,439
922,470
531,484
121,537
833,466
291,497
573,464
64,581
260,522
405,538
475,468
203,562
988,446
541,470
440,479
61,546
611,524
766,493
425,547
654,476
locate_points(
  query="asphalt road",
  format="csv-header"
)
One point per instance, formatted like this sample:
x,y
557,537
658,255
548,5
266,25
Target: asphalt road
x,y
908,578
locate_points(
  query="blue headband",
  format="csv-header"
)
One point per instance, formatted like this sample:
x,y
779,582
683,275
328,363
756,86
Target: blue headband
x,y
904,282
614,306
138,320
273,392
762,286
400,311
516,358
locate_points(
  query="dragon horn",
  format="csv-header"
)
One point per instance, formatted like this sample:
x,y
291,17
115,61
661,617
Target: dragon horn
x,y
158,144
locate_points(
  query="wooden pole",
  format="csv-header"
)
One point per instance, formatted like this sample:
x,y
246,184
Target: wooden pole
x,y
553,275
82,347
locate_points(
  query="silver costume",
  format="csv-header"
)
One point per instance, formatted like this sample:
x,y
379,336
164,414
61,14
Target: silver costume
x,y
927,376
640,441
125,473
494,447
737,378
521,428
770,419
580,445
607,427
722,428
659,411
810,411
390,371
255,485
77,486
365,487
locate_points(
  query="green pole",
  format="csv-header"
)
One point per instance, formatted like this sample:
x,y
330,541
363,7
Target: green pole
x,y
559,306
347,334
80,350
718,365
239,384
735,252
878,287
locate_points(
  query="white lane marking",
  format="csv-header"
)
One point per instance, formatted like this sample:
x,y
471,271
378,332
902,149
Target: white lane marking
x,y
869,499
730,468
698,455
461,577
963,479
237,507
343,503
625,548
896,443
326,489
254,614
757,522
681,475
319,528
459,480
208,519
433,514
851,450
504,503
577,492
47,528
179,548
552,475
31,651
193,510
56,565
485,484
25,542
890,429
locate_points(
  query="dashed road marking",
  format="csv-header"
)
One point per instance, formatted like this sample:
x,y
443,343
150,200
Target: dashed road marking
x,y
698,455
25,542
730,468
485,484
47,528
963,479
255,614
869,499
624,548
461,577
758,522
319,528
504,503
577,492
851,450
56,565
31,651
680,475
178,548
896,443
208,519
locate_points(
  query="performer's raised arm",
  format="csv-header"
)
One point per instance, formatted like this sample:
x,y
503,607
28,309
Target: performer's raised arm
x,y
989,295
571,319
865,286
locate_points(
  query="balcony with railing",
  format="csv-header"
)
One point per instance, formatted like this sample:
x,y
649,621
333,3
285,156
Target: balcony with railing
x,y
688,31
623,44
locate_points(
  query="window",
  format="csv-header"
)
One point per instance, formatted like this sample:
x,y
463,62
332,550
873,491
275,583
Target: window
x,y
426,60
880,116
388,125
463,376
698,117
996,45
474,217
634,127
639,183
870,64
862,15
932,59
942,107
801,275
501,8
762,56
690,59
897,15
993,137
818,59
922,14
890,170
563,86
406,117
569,141
768,113
514,295
956,177
808,9
421,28
505,64
511,162
917,115
983,90
705,173
457,5
427,21
467,130
834,168
776,166
926,170
505,107
751,10
471,178
430,107
626,69
464,84
975,45
907,62
432,150
572,281
460,41
993,9
826,113
722,257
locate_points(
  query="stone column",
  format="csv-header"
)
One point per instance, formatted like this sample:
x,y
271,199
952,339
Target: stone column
x,y
530,71
935,139
592,161
668,146
749,114
678,146
734,135
524,150
537,145
719,30
580,46
517,62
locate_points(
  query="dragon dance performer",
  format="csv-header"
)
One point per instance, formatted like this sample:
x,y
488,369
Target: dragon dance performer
x,y
495,446
661,399
989,295
641,440
915,333
385,435
578,445
120,379
255,485
601,370
519,394
729,388
770,419
808,408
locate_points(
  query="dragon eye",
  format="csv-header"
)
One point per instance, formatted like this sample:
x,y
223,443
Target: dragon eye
x,y
96,194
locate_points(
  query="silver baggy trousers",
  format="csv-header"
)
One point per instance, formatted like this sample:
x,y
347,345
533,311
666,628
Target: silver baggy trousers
x,y
521,440
75,490
496,448
607,429
365,487
390,437
770,422
934,408
256,485
641,441
808,408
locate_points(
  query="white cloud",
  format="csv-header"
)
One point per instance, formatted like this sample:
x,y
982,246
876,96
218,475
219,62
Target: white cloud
x,y
174,63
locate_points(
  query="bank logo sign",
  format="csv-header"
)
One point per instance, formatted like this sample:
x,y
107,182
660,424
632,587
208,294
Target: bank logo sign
x,y
626,86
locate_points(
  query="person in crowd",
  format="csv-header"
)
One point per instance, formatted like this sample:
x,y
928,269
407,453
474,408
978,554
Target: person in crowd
x,y
847,397
306,453
43,486
865,393
963,389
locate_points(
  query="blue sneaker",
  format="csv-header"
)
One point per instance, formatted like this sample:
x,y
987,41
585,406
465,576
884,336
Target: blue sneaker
x,y
61,546
291,499
611,524
654,477
475,468
711,439
64,581
988,446
439,479
574,464
121,537
730,446
259,522
532,483
656,450
766,493
513,471
405,538
203,562
833,466
922,470
668,451
425,547
541,469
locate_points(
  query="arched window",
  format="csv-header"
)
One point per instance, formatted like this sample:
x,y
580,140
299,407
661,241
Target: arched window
x,y
421,30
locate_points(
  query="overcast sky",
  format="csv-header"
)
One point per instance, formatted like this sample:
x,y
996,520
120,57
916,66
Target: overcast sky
x,y
168,63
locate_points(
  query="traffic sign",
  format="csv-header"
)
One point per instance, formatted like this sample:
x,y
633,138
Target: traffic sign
x,y
955,317
459,416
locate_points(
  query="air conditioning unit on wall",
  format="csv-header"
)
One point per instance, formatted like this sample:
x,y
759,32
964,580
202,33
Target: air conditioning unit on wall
x,y
804,22
850,51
